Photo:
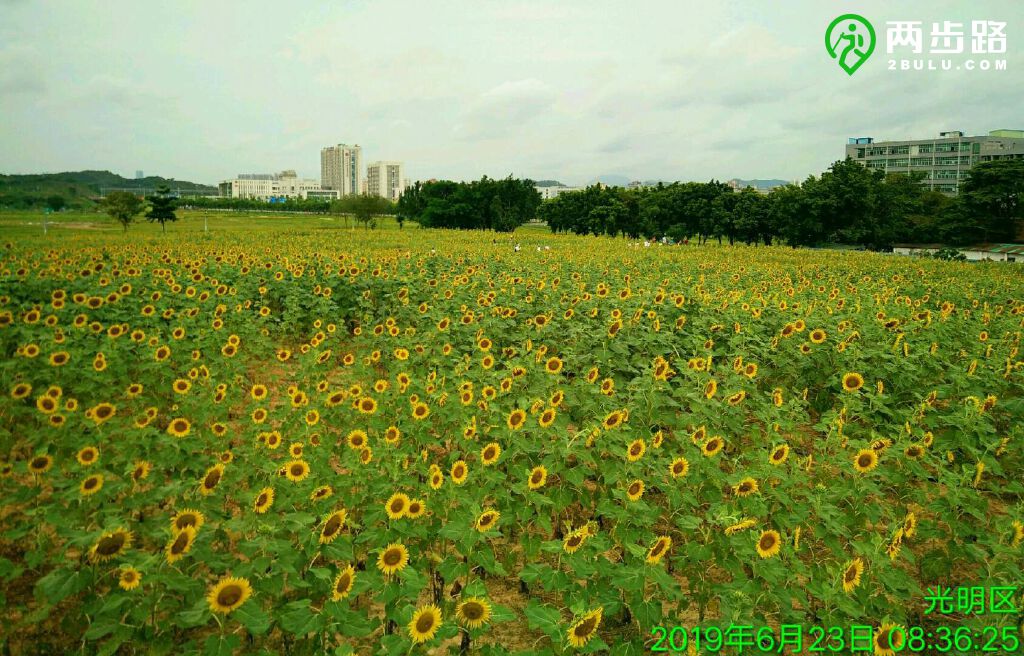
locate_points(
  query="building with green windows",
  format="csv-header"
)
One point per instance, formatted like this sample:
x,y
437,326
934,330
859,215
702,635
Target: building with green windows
x,y
944,160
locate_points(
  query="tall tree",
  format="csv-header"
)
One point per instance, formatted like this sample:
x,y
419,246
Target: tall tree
x,y
123,207
161,207
992,198
55,202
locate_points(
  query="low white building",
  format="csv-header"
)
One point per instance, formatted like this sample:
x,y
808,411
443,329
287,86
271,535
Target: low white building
x,y
916,249
547,193
994,253
976,253
264,186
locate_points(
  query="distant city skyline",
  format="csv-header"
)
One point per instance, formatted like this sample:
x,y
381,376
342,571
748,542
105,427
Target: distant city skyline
x,y
569,91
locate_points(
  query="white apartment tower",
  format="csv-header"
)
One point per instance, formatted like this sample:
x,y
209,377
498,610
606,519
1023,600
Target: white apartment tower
x,y
341,168
385,179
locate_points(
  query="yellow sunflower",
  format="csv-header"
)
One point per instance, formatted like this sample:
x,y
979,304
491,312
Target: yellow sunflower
x,y
129,578
487,519
745,487
367,405
40,464
679,467
459,472
179,427
473,612
91,485
110,545
393,558
658,550
343,583
332,526
420,411
357,439
321,493
296,470
416,509
585,628
636,450
865,460
397,505
140,470
852,382
613,420
574,540
538,476
889,639
187,517
516,419
424,624
88,456
779,454
264,500
851,574
769,543
490,453
211,479
635,490
712,446
180,544
228,594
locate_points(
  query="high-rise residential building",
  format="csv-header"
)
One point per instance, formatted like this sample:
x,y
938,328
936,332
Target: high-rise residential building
x,y
944,161
341,168
138,174
385,179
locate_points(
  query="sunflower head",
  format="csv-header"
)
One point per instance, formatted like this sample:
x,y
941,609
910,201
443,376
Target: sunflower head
x,y
264,500
583,630
769,543
129,578
393,558
473,612
110,545
343,583
185,518
425,623
397,506
228,594
487,520
332,526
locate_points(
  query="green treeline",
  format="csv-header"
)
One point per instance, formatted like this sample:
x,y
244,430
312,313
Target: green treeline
x,y
847,204
484,204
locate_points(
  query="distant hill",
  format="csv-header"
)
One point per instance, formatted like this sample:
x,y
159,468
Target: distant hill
x,y
548,183
79,188
612,180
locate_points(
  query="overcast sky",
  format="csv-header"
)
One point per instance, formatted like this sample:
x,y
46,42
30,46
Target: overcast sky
x,y
674,89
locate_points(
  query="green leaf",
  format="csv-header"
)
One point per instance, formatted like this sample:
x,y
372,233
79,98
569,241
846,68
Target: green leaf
x,y
501,613
97,630
252,617
62,583
544,618
195,616
300,619
217,645
485,558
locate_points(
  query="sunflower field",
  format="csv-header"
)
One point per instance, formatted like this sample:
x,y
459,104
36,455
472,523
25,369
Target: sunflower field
x,y
415,441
